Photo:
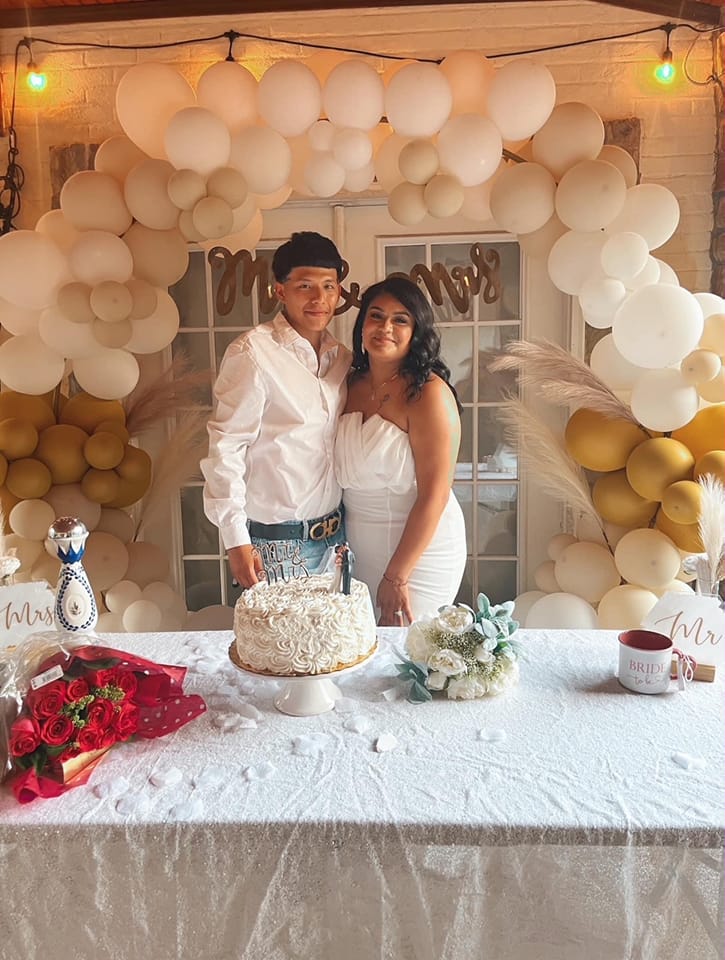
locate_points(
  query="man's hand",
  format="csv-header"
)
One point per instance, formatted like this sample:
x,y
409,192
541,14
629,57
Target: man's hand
x,y
246,565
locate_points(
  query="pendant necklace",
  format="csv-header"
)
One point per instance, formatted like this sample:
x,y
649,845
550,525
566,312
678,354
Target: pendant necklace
x,y
386,396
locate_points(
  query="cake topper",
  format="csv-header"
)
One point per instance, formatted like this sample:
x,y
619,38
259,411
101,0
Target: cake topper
x,y
75,605
344,560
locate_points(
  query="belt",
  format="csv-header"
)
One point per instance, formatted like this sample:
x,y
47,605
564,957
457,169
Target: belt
x,y
318,529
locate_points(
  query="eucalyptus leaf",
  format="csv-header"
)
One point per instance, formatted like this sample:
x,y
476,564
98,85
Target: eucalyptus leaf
x,y
419,694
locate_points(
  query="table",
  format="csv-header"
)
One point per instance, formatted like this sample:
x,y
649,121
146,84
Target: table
x,y
550,823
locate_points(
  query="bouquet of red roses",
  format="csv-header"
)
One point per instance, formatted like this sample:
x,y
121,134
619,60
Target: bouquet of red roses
x,y
73,704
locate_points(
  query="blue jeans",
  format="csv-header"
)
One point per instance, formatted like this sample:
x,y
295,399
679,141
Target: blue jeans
x,y
285,560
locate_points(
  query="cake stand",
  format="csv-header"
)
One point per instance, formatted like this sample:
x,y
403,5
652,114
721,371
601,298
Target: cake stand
x,y
304,696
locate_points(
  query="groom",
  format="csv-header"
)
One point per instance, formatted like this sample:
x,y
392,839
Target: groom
x,y
269,481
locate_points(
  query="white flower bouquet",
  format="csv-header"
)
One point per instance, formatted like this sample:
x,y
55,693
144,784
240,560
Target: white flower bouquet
x,y
467,653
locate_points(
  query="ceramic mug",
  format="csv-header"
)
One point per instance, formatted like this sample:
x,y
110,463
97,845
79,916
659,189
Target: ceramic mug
x,y
645,661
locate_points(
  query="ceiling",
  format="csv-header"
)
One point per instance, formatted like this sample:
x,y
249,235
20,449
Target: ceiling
x,y
35,13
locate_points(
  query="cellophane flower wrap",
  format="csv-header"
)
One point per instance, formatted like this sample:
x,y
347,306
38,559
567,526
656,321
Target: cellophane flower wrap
x,y
65,700
466,653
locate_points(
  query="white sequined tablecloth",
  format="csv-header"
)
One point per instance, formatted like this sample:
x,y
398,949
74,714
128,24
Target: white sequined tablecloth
x,y
566,819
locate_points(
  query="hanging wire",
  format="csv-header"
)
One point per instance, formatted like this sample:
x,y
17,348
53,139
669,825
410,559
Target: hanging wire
x,y
11,183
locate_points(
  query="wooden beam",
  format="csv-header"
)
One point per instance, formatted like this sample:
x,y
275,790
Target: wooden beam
x,y
696,11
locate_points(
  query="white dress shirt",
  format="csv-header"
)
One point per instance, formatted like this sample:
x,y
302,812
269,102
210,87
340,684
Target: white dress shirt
x,y
272,435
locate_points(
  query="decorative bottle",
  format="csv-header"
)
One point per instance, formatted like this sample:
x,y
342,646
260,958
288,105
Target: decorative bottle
x,y
75,605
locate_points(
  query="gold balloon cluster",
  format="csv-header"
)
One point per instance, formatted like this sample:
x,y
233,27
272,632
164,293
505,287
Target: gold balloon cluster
x,y
85,442
648,478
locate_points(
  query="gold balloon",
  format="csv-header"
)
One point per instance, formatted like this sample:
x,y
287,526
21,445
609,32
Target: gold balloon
x,y
713,463
104,451
681,501
101,486
3,469
114,427
7,500
618,503
18,438
135,466
129,491
60,448
686,536
705,432
26,407
28,479
599,443
655,464
86,411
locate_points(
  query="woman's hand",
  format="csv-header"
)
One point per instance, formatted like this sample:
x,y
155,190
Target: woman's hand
x,y
394,602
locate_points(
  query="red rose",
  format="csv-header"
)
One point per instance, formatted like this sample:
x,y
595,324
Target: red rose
x,y
110,736
127,721
57,730
48,700
100,713
102,678
77,689
90,737
24,736
126,680
70,751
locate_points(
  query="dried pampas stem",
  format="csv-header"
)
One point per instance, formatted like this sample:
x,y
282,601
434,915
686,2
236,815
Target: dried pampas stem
x,y
551,466
173,390
711,524
560,378
175,465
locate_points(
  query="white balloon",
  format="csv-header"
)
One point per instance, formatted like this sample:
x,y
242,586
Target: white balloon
x,y
91,200
121,594
105,560
146,191
622,160
263,158
522,197
156,331
64,337
523,603
58,228
353,95
573,132
624,255
470,76
539,242
545,577
108,374
358,180
650,273
386,164
197,139
710,304
289,98
406,204
611,367
574,259
477,202
324,176
28,365
599,299
230,91
98,256
116,156
31,519
68,500
561,611
558,543
469,148
110,623
321,134
521,98
186,188
160,593
352,148
142,616
663,400
657,325
32,268
270,201
147,97
418,100
118,522
590,195
18,320
650,210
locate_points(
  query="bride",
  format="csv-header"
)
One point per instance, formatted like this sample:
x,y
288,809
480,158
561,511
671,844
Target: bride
x,y
395,452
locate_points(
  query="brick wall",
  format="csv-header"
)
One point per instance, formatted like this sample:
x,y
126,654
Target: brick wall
x,y
614,77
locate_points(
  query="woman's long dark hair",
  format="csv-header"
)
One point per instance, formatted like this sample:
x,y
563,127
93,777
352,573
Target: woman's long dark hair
x,y
424,357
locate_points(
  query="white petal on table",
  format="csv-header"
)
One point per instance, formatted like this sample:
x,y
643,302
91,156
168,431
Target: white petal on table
x,y
229,722
259,772
310,745
385,742
357,723
393,693
166,778
492,736
211,777
346,705
688,762
187,809
248,710
133,803
111,788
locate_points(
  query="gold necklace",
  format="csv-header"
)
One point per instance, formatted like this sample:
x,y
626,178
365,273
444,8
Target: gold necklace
x,y
386,396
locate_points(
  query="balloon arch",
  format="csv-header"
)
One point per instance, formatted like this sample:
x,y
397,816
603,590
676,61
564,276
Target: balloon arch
x,y
86,291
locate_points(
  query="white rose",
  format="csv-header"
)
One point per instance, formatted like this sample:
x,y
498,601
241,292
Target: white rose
x,y
436,681
453,619
447,662
483,654
467,688
508,676
418,644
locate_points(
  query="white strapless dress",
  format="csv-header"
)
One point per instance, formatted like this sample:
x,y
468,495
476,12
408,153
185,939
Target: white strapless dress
x,y
375,468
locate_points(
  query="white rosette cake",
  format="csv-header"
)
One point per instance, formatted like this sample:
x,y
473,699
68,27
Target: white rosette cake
x,y
300,628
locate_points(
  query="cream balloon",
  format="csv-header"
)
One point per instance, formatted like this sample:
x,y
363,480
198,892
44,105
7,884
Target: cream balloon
x,y
197,139
443,196
108,374
153,333
574,132
146,191
561,611
625,607
68,500
418,100
352,148
623,161
18,320
324,176
28,365
354,95
74,302
476,204
657,326
558,543
624,255
574,259
246,239
118,522
159,256
545,577
710,304
147,563
186,188
321,134
650,210
112,335
289,99
106,560
31,519
386,164
116,156
647,558
263,158
662,400
98,256
212,217
522,197
229,185
599,299
91,200
469,75
713,391
141,615
539,242
586,570
523,603
57,228
147,97
406,204
143,296
32,268
358,180
700,366
111,301
230,91
611,367
160,593
121,595
418,161
590,195
65,338
469,148
521,98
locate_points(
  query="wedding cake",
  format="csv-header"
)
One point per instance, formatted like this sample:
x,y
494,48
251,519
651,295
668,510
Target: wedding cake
x,y
302,627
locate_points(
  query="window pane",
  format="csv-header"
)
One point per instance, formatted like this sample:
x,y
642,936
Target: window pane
x,y
497,518
508,306
190,292
464,467
497,579
402,259
200,536
493,386
464,495
195,346
495,458
202,583
457,350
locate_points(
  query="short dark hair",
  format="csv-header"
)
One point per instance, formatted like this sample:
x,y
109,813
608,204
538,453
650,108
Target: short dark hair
x,y
424,356
306,249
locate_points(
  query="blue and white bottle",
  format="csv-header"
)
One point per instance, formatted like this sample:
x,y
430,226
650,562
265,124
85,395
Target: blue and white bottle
x,y
75,605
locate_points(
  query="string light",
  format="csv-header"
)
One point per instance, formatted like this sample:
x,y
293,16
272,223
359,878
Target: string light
x,y
665,71
35,78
